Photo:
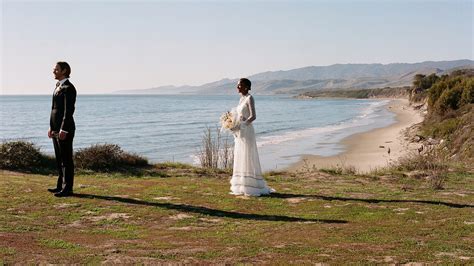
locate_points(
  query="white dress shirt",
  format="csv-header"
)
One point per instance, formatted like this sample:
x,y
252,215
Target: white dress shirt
x,y
61,82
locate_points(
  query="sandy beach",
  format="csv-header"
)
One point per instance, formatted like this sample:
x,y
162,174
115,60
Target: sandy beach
x,y
373,149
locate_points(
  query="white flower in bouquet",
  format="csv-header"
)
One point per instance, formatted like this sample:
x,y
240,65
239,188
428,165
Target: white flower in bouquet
x,y
229,121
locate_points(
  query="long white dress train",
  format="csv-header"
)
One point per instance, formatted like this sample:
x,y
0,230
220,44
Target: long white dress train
x,y
247,176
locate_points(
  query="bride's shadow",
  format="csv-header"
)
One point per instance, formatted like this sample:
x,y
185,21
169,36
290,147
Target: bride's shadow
x,y
207,211
448,204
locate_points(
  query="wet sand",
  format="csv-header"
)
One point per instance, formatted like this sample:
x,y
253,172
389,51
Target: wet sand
x,y
373,149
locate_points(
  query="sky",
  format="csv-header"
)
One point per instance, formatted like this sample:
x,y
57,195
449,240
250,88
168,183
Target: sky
x,y
120,45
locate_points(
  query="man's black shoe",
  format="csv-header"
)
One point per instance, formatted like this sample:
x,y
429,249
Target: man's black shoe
x,y
63,194
54,190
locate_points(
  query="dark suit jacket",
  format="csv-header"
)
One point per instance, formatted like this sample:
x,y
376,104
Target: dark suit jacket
x,y
63,107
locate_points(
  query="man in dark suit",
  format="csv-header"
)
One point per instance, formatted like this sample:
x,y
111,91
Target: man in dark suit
x,y
62,129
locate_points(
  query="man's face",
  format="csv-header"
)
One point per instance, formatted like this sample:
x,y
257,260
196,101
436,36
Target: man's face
x,y
59,74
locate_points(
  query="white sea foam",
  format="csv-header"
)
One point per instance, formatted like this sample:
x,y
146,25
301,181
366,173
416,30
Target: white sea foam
x,y
366,117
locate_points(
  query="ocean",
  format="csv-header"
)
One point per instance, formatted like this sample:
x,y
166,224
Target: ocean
x,y
170,127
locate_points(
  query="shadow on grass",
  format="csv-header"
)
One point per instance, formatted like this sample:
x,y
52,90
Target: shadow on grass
x,y
449,204
126,172
208,211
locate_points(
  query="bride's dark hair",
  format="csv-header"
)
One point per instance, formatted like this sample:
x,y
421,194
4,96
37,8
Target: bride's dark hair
x,y
246,82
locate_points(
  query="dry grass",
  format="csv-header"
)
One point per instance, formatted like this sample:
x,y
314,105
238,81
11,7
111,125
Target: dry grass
x,y
342,168
431,166
216,150
189,218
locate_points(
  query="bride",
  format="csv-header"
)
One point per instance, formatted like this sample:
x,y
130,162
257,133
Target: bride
x,y
247,175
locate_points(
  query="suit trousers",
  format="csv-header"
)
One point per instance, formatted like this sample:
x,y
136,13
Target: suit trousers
x,y
65,164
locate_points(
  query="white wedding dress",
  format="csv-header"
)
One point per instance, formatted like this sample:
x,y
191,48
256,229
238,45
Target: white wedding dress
x,y
247,176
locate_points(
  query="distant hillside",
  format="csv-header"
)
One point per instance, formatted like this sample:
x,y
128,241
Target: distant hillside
x,y
339,76
355,71
170,89
399,92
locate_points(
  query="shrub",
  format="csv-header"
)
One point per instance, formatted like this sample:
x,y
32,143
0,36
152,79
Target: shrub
x,y
216,150
417,80
130,159
437,180
209,151
442,129
450,93
422,82
435,92
107,157
23,155
449,99
467,96
431,165
431,161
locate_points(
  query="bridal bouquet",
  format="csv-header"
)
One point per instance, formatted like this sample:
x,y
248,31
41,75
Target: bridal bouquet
x,y
229,121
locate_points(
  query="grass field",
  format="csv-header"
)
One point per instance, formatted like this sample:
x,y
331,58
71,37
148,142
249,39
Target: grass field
x,y
185,214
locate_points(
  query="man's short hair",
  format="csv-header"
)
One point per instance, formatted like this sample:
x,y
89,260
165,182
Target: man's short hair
x,y
65,66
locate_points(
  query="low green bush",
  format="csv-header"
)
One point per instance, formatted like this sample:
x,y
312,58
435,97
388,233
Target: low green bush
x,y
23,156
106,158
442,129
450,99
467,96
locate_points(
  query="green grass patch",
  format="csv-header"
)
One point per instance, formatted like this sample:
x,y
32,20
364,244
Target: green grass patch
x,y
58,244
7,251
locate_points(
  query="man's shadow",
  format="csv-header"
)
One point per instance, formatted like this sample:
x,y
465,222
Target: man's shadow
x,y
449,204
207,211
